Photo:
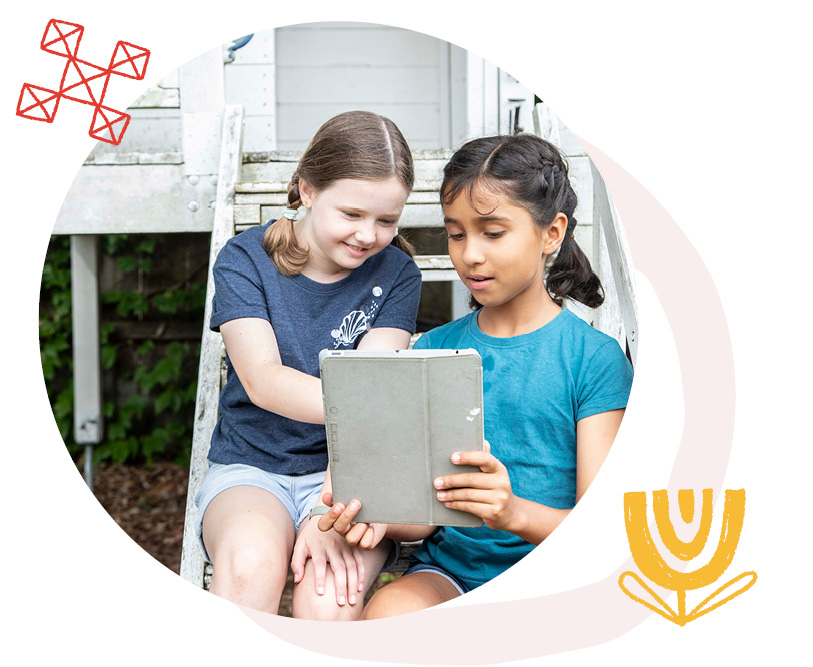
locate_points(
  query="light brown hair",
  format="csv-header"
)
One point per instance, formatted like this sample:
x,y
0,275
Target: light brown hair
x,y
354,144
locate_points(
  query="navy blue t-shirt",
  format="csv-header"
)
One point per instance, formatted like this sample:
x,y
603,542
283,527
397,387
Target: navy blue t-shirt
x,y
307,317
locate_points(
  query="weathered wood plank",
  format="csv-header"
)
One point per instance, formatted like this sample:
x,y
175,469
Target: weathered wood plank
x,y
206,403
414,215
282,186
158,97
434,262
246,214
428,171
280,198
618,256
133,158
142,199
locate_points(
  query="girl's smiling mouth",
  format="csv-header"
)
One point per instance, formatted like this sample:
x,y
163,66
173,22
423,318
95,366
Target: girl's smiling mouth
x,y
356,251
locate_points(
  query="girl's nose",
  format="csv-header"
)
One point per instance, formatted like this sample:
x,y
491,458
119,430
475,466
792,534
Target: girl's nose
x,y
365,233
473,253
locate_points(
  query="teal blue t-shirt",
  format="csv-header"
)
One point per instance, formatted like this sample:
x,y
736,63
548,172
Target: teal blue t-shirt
x,y
535,388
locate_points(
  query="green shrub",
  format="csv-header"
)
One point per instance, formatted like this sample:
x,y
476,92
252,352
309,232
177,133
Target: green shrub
x,y
148,386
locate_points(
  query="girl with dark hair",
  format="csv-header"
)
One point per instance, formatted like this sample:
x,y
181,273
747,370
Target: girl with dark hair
x,y
554,388
338,277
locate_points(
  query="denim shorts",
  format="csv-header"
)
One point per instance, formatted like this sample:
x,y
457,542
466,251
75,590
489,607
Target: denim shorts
x,y
415,565
298,493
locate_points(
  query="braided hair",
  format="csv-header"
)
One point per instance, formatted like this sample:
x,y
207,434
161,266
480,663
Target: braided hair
x,y
533,174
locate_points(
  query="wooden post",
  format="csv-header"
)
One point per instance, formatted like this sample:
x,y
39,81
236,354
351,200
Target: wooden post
x,y
87,377
618,254
211,348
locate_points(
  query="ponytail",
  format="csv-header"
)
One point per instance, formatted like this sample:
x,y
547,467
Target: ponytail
x,y
402,244
571,276
280,240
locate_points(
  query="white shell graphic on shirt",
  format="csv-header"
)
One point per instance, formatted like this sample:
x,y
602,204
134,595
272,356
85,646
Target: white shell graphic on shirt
x,y
356,322
351,328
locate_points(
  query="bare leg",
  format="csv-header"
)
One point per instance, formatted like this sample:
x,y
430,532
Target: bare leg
x,y
249,536
412,592
307,604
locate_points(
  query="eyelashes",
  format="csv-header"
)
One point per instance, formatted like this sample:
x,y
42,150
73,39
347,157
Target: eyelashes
x,y
356,216
490,235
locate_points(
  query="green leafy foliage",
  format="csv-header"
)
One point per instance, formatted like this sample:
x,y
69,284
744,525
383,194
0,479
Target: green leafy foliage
x,y
149,385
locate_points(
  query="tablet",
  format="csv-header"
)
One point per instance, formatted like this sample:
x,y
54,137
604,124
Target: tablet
x,y
393,419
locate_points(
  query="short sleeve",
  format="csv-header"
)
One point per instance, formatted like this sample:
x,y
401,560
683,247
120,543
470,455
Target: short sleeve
x,y
423,342
605,383
400,309
238,287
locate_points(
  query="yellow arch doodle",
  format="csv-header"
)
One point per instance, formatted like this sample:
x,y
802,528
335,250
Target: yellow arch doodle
x,y
660,506
654,567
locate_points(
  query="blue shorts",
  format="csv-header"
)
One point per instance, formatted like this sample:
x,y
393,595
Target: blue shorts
x,y
298,493
415,565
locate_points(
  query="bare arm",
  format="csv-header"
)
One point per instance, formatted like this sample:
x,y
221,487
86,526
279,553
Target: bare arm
x,y
385,338
488,493
252,347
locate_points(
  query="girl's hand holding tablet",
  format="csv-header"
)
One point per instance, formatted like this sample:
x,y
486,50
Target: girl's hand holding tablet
x,y
486,494
340,518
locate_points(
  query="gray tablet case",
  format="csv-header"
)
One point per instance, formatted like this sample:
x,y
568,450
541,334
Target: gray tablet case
x,y
393,420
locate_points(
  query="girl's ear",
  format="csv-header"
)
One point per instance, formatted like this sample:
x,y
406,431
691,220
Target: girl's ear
x,y
305,193
554,235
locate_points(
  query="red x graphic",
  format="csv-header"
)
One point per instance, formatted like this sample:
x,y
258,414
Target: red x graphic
x,y
83,82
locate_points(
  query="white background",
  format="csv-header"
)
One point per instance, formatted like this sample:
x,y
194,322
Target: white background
x,y
706,104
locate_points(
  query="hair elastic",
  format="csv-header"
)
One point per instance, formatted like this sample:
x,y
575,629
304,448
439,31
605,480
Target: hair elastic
x,y
289,213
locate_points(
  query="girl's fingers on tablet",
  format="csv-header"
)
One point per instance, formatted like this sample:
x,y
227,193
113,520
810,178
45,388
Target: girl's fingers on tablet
x,y
474,480
345,519
482,510
368,539
483,496
484,460
355,533
328,519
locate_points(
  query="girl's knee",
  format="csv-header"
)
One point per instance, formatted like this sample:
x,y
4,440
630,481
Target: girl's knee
x,y
251,575
246,564
308,605
312,607
394,600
